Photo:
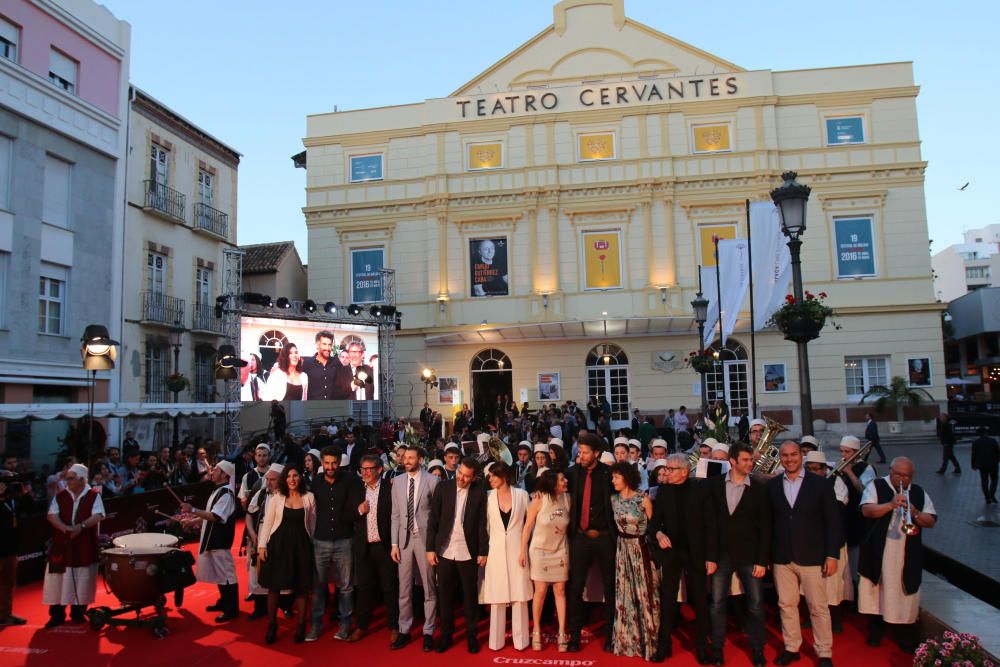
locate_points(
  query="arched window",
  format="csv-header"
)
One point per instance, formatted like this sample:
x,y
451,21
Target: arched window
x,y
607,379
269,345
491,360
729,378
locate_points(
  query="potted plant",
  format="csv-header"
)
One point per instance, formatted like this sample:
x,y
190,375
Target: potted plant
x,y
801,321
889,399
702,361
952,648
176,382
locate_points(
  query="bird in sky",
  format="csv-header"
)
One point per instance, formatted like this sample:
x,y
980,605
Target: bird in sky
x,y
962,189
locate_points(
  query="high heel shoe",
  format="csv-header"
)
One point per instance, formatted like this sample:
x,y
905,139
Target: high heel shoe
x,y
563,643
536,640
272,633
300,633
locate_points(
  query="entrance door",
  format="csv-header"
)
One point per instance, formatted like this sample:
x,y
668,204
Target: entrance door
x,y
607,378
492,376
729,379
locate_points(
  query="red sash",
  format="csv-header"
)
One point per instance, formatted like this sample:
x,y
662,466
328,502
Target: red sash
x,y
81,550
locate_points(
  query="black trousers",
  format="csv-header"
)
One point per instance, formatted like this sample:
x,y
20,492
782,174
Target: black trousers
x,y
374,568
583,551
877,444
988,478
674,566
948,454
453,575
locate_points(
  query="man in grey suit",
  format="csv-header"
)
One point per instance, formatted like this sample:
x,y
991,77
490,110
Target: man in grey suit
x,y
411,506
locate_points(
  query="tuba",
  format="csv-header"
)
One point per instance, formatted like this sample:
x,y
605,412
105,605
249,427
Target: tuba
x,y
497,450
765,453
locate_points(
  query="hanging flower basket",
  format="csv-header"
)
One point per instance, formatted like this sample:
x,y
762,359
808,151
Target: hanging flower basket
x,y
176,382
702,362
801,321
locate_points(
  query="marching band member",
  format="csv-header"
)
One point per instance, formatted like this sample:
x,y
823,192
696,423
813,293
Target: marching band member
x,y
890,565
840,587
857,477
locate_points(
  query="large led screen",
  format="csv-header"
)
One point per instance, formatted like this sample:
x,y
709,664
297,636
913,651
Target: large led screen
x,y
297,360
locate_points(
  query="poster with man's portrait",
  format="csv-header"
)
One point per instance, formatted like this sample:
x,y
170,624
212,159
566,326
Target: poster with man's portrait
x,y
488,267
549,388
446,389
918,371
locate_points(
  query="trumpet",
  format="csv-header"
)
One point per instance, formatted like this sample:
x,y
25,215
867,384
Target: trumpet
x,y
906,524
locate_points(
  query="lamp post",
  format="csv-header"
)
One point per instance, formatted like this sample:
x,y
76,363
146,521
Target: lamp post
x,y
700,307
98,354
176,340
791,199
430,380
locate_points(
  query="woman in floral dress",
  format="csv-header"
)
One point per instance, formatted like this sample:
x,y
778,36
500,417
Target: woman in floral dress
x,y
637,581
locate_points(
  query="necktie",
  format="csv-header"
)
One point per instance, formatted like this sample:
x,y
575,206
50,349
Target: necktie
x,y
409,513
585,508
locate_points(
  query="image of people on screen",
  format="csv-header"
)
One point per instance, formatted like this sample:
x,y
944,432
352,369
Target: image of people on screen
x,y
321,368
489,267
356,380
286,381
251,377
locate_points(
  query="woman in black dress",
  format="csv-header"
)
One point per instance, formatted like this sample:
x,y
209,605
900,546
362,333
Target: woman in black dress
x,y
285,550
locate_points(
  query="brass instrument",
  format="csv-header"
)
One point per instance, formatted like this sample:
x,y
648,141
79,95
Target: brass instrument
x,y
859,455
765,453
497,450
906,524
693,455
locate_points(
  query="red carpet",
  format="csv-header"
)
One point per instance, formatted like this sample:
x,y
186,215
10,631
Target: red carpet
x,y
195,640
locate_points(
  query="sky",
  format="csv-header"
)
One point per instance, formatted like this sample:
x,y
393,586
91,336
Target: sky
x,y
249,72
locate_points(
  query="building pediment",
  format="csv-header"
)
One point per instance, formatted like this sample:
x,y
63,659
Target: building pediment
x,y
589,41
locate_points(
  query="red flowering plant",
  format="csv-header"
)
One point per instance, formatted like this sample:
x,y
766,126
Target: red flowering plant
x,y
952,648
702,361
802,321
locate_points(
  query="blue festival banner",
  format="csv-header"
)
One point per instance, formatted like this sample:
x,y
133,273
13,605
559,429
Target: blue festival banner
x,y
855,247
847,130
366,168
366,279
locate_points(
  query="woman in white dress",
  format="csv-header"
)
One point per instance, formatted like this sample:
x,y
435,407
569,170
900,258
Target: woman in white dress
x,y
507,581
287,382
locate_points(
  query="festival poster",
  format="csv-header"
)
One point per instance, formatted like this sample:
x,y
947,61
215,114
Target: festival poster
x,y
366,276
855,247
549,387
366,168
845,130
602,260
447,386
775,378
488,267
918,371
705,235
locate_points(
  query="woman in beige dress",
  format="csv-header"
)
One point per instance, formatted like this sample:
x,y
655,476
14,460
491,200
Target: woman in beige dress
x,y
545,529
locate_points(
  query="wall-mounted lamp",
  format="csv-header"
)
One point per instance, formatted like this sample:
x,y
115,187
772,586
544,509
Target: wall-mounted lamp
x,y
545,300
442,300
663,295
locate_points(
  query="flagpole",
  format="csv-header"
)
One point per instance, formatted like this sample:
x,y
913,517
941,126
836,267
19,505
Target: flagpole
x,y
718,293
753,327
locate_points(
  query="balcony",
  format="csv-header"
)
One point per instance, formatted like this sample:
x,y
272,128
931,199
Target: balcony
x,y
158,308
211,220
203,319
164,202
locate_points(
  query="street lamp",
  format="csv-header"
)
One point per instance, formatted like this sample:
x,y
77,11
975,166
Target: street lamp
x,y
176,340
700,307
98,354
430,380
791,200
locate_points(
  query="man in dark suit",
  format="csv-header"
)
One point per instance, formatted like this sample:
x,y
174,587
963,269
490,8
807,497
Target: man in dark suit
x,y
986,459
355,381
373,564
457,544
591,534
738,540
806,539
871,435
678,529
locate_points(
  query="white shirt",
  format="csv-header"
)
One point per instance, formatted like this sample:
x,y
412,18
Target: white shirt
x,y
458,549
97,509
792,486
870,497
840,490
681,421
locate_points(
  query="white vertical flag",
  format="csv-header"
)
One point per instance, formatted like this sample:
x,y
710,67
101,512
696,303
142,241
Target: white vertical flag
x,y
734,271
772,263
710,292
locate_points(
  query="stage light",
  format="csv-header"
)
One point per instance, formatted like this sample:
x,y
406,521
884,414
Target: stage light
x,y
309,306
376,311
283,302
388,311
227,363
354,309
330,307
98,349
268,301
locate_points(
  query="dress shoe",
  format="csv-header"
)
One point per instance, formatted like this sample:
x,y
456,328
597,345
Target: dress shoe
x,y
473,645
402,639
428,643
443,645
227,615
356,635
259,611
215,607
939,472
55,622
757,659
787,658
825,662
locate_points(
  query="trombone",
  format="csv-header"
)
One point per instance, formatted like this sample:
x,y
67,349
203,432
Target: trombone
x,y
906,524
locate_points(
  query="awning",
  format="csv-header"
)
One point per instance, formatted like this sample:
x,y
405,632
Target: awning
x,y
14,411
576,329
962,381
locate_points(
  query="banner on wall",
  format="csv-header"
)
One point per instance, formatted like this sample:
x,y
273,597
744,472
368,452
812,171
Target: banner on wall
x,y
366,276
488,267
855,247
602,260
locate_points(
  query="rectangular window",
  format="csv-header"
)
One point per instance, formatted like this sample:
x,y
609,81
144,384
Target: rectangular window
x,y
206,185
596,146
51,305
977,272
203,286
9,37
863,373
156,272
482,156
55,191
6,160
855,240
159,164
843,130
714,138
156,371
204,375
62,71
366,168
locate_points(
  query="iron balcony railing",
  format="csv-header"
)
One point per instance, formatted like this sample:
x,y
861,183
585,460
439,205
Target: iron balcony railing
x,y
164,200
158,307
211,220
204,319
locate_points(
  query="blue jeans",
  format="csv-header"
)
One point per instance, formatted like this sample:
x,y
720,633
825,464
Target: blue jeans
x,y
752,588
333,560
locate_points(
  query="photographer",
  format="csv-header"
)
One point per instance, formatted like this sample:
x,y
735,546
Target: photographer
x,y
15,496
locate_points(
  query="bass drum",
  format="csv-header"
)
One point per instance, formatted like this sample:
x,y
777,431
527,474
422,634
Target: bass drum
x,y
131,573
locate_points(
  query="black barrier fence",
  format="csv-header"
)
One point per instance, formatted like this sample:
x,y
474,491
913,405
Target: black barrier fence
x,y
124,515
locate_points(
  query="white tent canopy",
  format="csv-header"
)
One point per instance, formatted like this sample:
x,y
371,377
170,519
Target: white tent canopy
x,y
15,411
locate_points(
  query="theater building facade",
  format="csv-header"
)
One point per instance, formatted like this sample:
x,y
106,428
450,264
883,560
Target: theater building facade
x,y
546,221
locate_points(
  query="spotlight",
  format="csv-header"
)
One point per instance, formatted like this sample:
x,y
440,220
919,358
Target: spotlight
x,y
227,363
283,302
330,307
354,309
268,301
310,306
98,350
376,311
388,311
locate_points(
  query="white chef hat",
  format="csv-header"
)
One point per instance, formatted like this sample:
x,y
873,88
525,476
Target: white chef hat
x,y
80,471
263,445
452,445
556,441
621,440
758,422
709,442
541,447
809,440
720,447
657,442
850,442
228,468
634,443
607,458
276,468
817,457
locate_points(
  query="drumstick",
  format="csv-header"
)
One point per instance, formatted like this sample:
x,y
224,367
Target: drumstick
x,y
169,516
176,497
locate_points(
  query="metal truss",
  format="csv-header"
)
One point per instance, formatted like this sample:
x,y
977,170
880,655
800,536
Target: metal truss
x,y
231,301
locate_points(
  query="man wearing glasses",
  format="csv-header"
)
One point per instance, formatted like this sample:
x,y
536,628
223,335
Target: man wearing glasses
x,y
373,564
